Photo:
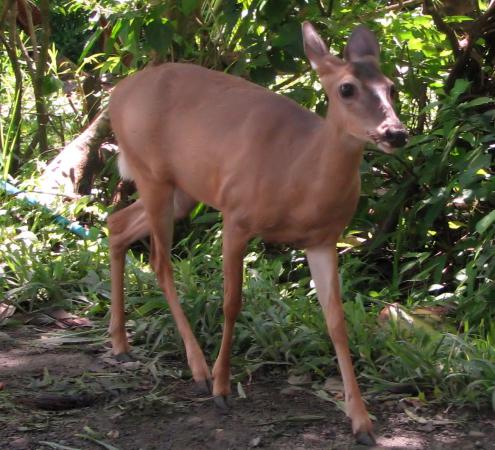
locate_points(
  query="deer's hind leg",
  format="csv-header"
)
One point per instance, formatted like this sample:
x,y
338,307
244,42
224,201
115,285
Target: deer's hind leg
x,y
158,201
125,227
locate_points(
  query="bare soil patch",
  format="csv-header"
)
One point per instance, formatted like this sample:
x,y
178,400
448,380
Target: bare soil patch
x,y
58,393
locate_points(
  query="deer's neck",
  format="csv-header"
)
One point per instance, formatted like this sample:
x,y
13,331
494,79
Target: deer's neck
x,y
337,155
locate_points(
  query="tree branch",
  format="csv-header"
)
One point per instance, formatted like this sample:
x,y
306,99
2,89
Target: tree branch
x,y
5,11
428,8
476,29
401,5
27,58
16,114
32,34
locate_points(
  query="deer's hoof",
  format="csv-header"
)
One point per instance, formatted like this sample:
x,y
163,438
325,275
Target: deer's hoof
x,y
365,438
203,387
222,402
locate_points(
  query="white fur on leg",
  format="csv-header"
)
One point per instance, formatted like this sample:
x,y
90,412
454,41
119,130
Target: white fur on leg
x,y
322,265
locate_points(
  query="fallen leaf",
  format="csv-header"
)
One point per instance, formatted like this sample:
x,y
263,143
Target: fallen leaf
x,y
240,391
424,420
415,417
333,384
65,319
113,434
6,311
297,380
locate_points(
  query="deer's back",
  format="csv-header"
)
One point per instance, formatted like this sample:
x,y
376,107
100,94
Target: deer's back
x,y
181,121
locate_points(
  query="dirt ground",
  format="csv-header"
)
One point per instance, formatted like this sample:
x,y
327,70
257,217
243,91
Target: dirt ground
x,y
62,393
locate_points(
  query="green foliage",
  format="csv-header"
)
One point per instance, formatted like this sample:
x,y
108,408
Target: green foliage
x,y
69,28
423,234
8,135
441,191
41,266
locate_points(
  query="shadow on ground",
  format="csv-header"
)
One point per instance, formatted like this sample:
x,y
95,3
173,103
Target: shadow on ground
x,y
60,392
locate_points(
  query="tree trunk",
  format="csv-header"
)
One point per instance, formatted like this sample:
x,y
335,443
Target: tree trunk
x,y
72,172
473,60
14,136
39,75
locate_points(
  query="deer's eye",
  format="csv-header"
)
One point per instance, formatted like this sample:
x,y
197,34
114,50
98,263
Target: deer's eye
x,y
347,90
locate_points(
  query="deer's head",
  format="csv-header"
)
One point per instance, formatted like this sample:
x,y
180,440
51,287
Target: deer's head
x,y
360,96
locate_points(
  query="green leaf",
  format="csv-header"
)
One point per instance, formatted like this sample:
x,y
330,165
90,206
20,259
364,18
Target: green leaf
x,y
477,102
459,88
275,11
485,223
289,39
263,75
455,224
159,34
50,85
89,44
188,6
210,217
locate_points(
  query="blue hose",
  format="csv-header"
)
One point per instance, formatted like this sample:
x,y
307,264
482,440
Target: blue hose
x,y
73,227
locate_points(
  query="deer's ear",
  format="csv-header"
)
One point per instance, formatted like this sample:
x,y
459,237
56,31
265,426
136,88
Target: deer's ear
x,y
314,47
362,43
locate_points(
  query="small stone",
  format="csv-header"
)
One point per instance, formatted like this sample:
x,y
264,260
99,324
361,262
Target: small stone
x,y
113,434
219,434
255,442
297,380
194,420
311,438
476,434
132,365
428,427
20,443
329,435
478,444
290,391
333,384
6,339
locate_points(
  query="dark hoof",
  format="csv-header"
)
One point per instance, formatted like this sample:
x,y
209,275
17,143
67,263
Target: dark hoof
x,y
125,358
222,402
203,387
365,438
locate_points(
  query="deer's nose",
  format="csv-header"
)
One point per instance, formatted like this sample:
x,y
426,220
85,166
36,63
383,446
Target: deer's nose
x,y
396,137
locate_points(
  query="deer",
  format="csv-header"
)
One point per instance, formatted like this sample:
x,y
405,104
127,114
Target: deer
x,y
274,170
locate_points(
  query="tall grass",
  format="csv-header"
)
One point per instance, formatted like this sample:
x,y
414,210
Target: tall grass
x,y
9,135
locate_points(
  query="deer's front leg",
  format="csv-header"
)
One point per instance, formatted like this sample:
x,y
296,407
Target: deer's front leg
x,y
234,245
323,264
